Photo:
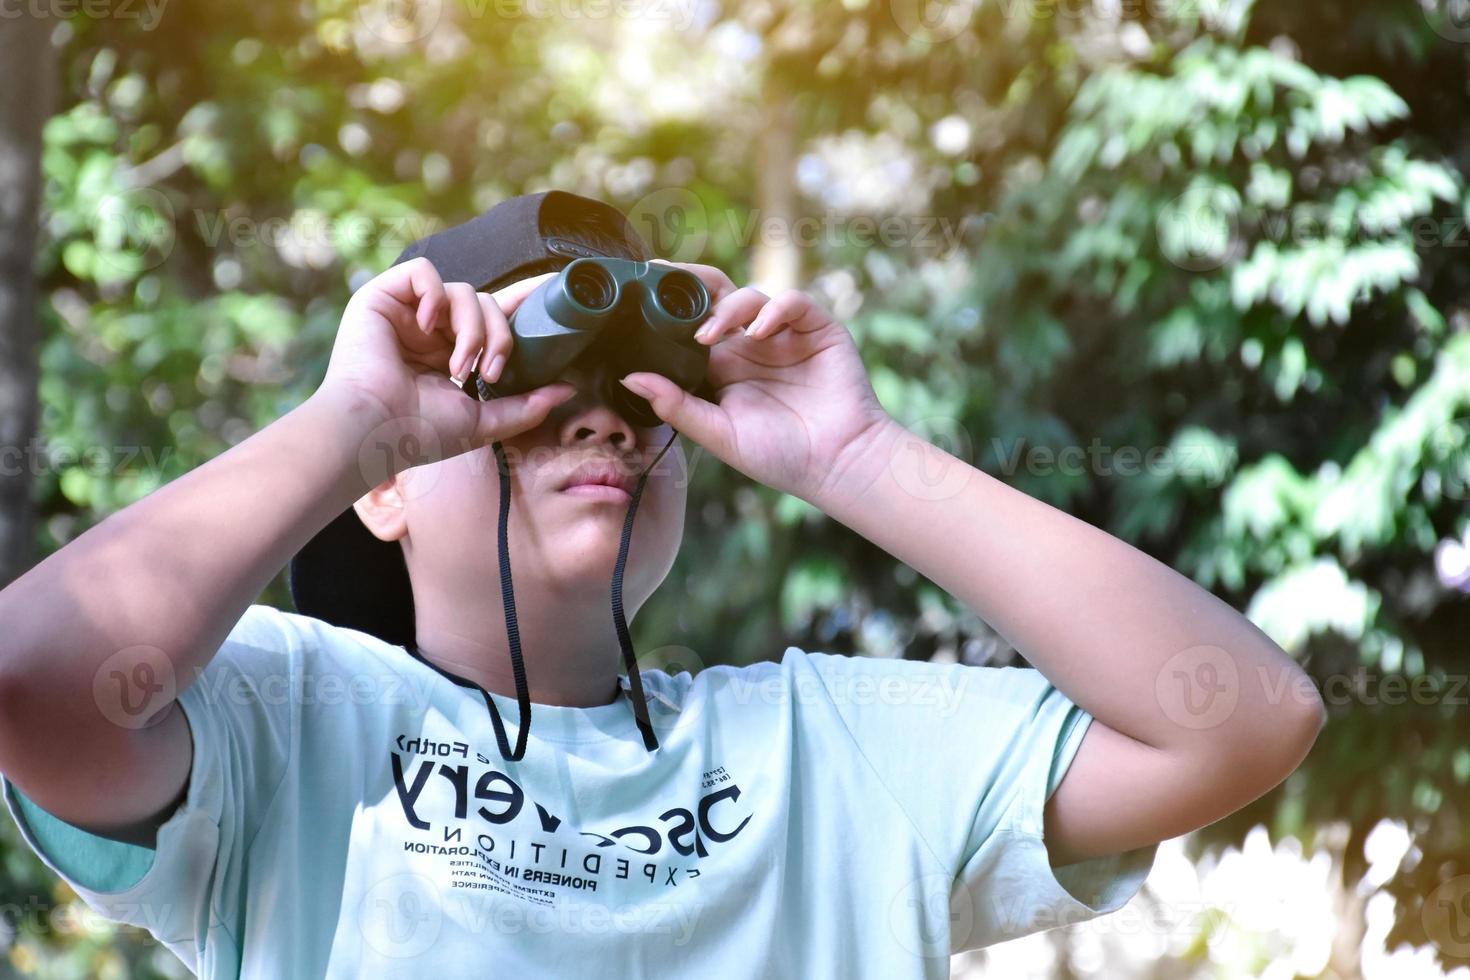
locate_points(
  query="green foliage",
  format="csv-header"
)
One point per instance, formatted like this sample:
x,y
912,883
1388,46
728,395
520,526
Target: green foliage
x,y
1221,257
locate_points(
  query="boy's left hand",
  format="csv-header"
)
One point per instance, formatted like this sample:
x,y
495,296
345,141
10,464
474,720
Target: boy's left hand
x,y
793,405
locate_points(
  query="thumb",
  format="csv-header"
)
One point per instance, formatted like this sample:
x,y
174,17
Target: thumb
x,y
698,419
509,415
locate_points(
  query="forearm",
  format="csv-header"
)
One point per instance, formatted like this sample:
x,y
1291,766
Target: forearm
x,y
1124,636
173,571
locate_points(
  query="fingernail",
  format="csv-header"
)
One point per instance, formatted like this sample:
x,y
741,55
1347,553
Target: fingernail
x,y
497,363
636,387
458,379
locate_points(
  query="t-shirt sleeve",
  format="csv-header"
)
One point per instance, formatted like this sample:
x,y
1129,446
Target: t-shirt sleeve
x,y
185,889
971,754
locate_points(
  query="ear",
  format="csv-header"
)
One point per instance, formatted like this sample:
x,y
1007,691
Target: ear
x,y
382,512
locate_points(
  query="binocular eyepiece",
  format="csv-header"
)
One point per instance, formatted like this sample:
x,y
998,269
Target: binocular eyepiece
x,y
622,313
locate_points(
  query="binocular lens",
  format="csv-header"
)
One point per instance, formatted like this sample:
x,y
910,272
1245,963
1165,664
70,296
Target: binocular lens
x,y
680,296
591,285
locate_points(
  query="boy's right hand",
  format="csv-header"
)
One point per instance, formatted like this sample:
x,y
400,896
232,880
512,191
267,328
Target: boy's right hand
x,y
404,335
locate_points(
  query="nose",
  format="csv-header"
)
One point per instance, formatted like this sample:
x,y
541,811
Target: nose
x,y
588,420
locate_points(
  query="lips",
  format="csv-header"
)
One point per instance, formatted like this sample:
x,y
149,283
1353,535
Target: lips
x,y
599,472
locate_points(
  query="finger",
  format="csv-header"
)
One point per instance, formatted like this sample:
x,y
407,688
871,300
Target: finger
x,y
790,307
498,339
700,420
732,313
467,325
511,296
416,285
501,418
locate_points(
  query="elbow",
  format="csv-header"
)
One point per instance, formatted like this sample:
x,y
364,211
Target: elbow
x,y
1302,721
1275,739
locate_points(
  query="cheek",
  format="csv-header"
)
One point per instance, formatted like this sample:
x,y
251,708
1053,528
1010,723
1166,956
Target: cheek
x,y
445,499
668,513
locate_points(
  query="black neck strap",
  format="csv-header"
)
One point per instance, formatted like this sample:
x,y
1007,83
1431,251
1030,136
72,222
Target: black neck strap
x,y
512,631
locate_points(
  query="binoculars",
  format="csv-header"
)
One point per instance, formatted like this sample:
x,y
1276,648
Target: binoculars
x,y
622,313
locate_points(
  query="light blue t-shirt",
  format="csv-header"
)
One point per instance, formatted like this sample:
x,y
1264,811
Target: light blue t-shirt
x,y
348,815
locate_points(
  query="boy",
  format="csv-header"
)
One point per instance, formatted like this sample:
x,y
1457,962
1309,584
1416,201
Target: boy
x,y
332,793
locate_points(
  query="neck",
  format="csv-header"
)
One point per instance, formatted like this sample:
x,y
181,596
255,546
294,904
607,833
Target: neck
x,y
568,644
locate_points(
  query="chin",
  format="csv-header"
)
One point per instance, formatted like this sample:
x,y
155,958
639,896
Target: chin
x,y
588,551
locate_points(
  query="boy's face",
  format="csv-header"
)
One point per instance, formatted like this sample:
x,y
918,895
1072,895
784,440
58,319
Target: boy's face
x,y
563,538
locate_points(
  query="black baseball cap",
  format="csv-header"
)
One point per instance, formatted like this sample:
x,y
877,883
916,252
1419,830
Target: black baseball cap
x,y
347,577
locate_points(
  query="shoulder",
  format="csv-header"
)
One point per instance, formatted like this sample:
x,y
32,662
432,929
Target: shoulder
x,y
271,655
265,627
816,680
854,679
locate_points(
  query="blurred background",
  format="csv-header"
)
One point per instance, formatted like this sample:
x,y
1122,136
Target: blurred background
x,y
1193,270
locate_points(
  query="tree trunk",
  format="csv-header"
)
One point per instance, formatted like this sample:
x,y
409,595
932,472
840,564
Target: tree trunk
x,y
27,89
777,262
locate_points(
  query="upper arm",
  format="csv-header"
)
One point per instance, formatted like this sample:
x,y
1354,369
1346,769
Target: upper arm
x,y
1119,794
91,759
120,784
